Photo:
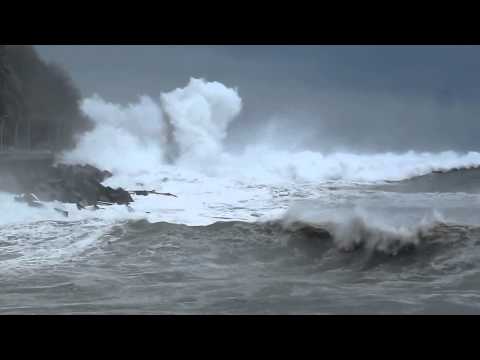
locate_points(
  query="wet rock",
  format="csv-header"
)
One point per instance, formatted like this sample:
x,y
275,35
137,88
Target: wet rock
x,y
76,184
150,192
116,196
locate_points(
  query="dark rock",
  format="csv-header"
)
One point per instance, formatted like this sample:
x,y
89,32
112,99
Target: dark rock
x,y
150,192
81,185
116,196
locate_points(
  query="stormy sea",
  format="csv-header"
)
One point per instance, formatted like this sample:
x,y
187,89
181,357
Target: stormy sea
x,y
261,230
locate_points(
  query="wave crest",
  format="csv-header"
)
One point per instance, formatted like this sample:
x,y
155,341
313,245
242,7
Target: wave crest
x,y
188,126
354,230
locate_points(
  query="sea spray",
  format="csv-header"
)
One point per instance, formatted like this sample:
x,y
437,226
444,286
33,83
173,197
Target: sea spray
x,y
137,140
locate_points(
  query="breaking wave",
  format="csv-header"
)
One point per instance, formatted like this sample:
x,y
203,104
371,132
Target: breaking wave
x,y
351,230
187,127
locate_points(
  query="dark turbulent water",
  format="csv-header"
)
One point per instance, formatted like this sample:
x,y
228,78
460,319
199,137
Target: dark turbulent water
x,y
240,268
316,260
457,180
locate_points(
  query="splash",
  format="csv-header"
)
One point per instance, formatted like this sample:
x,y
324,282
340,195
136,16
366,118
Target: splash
x,y
199,116
357,227
187,128
126,139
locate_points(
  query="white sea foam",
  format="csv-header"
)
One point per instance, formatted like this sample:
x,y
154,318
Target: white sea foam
x,y
137,139
175,144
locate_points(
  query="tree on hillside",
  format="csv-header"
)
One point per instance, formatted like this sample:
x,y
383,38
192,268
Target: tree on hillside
x,y
39,101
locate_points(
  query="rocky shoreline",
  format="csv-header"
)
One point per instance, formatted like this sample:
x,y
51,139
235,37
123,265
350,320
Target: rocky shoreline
x,y
74,184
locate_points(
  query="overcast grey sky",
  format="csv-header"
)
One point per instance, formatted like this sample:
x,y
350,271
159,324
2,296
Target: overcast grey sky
x,y
362,98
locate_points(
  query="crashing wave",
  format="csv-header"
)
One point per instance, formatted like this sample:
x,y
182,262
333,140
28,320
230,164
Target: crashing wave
x,y
354,230
187,128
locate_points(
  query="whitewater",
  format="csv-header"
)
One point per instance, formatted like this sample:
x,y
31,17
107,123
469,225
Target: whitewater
x,y
264,230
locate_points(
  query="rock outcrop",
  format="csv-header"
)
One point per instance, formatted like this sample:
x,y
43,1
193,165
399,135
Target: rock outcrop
x,y
80,185
76,184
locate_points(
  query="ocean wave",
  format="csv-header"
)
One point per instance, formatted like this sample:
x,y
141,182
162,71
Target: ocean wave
x,y
354,235
186,128
456,180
